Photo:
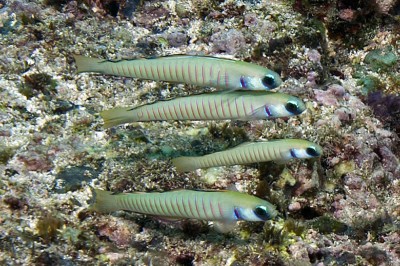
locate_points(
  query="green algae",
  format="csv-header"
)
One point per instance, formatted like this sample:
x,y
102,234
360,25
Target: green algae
x,y
48,225
344,167
381,59
6,153
281,234
326,225
369,84
72,179
38,83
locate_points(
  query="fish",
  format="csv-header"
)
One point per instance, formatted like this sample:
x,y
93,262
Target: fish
x,y
225,207
234,105
194,70
251,152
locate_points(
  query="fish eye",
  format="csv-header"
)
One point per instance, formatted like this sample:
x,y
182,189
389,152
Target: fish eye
x,y
292,107
262,213
269,81
312,151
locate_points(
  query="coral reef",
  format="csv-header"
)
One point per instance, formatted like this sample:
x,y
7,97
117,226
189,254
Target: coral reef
x,y
340,57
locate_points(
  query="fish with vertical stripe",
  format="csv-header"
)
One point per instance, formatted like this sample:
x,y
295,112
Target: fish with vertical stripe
x,y
252,152
195,70
234,105
218,206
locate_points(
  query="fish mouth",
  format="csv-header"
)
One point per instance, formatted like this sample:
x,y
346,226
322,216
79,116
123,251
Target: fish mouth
x,y
267,110
293,153
243,82
236,213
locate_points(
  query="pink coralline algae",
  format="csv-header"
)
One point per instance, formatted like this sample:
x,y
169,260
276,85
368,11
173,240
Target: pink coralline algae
x,y
119,232
331,96
230,42
345,114
347,14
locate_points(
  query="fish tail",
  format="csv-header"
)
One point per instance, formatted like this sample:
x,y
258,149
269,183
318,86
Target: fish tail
x,y
103,201
185,163
116,116
88,64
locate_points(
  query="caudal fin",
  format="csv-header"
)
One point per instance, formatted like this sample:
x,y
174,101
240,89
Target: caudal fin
x,y
116,116
185,163
88,64
103,201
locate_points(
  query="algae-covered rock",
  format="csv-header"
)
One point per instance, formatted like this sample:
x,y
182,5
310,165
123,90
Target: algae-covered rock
x,y
369,84
325,224
286,178
344,168
381,59
70,179
37,83
6,153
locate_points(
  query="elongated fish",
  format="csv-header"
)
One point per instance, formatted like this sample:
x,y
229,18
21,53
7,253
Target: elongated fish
x,y
251,152
226,207
196,70
235,105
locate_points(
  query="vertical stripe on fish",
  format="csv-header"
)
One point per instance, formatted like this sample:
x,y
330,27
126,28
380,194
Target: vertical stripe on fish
x,y
196,70
276,150
223,206
235,105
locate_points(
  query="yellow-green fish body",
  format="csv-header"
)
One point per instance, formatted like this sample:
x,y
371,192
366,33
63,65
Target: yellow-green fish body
x,y
252,152
196,70
219,206
234,105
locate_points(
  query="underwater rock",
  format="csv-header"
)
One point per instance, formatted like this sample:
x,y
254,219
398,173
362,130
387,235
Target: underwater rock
x,y
129,7
6,153
71,179
52,258
185,259
36,160
120,232
150,14
345,114
15,203
38,83
331,96
48,225
177,38
386,108
389,160
347,14
230,42
369,84
373,254
381,59
385,6
62,106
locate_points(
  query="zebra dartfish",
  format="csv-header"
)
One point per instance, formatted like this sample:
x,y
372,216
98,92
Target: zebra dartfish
x,y
235,105
196,70
225,207
251,152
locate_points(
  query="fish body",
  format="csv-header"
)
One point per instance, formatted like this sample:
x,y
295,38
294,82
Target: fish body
x,y
218,206
251,152
234,105
196,70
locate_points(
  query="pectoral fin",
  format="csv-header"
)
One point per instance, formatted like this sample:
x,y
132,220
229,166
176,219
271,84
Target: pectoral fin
x,y
224,227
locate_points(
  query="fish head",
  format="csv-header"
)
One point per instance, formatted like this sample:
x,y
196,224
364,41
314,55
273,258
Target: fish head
x,y
304,149
279,105
268,81
260,210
